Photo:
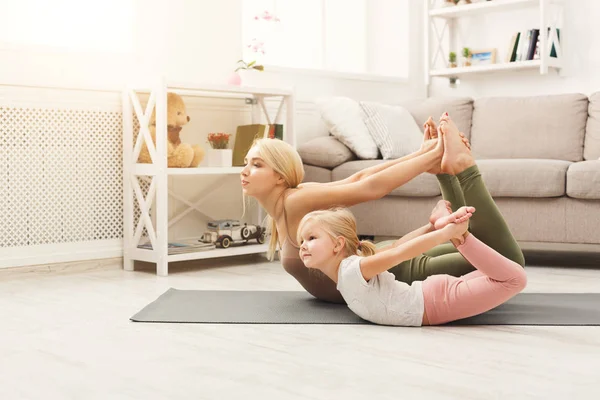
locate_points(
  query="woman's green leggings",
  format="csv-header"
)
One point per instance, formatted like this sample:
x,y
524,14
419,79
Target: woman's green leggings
x,y
487,224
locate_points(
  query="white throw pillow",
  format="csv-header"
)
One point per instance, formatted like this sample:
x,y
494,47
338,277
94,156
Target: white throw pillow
x,y
344,119
393,129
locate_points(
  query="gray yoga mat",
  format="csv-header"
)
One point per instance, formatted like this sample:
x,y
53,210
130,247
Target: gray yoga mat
x,y
284,307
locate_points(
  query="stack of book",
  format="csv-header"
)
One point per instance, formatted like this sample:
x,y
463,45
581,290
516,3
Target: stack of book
x,y
183,246
525,45
245,136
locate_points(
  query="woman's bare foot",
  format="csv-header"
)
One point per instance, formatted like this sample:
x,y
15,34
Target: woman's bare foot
x,y
465,140
430,132
459,216
457,156
443,208
430,128
430,142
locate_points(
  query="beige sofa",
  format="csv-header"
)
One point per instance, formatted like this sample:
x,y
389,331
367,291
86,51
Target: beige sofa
x,y
538,157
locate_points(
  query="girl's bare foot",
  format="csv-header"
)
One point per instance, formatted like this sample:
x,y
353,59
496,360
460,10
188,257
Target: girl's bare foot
x,y
458,231
443,208
457,156
459,216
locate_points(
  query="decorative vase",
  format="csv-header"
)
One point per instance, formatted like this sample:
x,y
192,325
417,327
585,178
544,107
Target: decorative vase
x,y
235,79
252,77
467,62
219,157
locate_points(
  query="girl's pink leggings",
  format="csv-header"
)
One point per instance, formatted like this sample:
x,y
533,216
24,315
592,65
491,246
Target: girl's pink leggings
x,y
496,280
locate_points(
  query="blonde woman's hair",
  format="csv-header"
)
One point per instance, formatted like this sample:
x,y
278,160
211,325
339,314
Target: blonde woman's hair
x,y
336,222
286,161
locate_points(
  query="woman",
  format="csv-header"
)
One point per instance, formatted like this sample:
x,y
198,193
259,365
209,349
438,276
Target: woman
x,y
274,171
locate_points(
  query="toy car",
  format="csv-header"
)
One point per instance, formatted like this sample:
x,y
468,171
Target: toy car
x,y
226,231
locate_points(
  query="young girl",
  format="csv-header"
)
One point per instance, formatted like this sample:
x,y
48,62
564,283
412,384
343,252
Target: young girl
x,y
329,243
273,176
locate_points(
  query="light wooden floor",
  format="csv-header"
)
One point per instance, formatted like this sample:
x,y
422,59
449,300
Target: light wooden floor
x,y
66,334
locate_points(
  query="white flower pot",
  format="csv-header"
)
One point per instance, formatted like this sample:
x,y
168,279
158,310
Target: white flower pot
x,y
219,157
252,77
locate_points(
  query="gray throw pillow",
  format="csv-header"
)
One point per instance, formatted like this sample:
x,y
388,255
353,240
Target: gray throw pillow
x,y
326,152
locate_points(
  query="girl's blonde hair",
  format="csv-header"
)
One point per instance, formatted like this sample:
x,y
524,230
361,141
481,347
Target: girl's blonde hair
x,y
285,161
336,222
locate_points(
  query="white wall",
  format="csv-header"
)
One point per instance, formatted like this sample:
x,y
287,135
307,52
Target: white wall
x,y
580,38
189,41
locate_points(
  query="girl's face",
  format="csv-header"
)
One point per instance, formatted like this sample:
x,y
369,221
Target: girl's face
x,y
257,177
317,247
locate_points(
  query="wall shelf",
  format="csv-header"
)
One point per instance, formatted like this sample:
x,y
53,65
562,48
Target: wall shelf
x,y
482,8
478,69
440,41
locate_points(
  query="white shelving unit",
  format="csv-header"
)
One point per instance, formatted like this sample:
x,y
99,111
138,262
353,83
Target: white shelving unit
x,y
436,64
154,214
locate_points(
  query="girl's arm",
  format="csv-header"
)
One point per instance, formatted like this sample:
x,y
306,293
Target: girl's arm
x,y
382,261
373,187
411,235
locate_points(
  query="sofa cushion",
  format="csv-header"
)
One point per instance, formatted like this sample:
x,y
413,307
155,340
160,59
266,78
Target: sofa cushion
x,y
524,177
424,185
344,119
326,151
591,150
316,174
459,108
392,128
540,127
583,180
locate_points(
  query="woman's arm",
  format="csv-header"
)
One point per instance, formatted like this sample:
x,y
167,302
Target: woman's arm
x,y
382,261
365,173
375,186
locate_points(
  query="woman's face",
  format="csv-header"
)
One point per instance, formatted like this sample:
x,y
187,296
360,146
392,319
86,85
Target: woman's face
x,y
257,177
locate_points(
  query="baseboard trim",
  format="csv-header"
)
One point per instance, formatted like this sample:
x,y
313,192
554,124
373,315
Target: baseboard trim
x,y
61,268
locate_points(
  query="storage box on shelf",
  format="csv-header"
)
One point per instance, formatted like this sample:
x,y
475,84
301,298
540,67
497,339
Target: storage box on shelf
x,y
550,17
154,214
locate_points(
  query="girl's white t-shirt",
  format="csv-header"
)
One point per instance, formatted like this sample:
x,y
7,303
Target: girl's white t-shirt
x,y
382,300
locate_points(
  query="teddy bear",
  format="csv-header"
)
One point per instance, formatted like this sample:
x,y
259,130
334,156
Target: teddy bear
x,y
179,155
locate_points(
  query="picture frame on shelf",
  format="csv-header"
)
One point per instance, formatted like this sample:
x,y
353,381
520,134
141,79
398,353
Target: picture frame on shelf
x,y
483,57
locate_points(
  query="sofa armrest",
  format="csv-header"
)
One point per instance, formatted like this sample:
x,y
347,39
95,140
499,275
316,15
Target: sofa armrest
x,y
325,152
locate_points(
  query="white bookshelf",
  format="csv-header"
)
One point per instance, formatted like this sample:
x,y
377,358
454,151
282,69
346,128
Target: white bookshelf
x,y
436,52
482,7
478,69
154,206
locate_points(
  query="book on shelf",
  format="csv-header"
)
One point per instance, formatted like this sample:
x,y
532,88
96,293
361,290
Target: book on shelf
x,y
245,136
182,246
524,45
536,55
512,53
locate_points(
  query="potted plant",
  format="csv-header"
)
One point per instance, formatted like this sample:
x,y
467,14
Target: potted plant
x,y
452,59
467,57
237,78
219,155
